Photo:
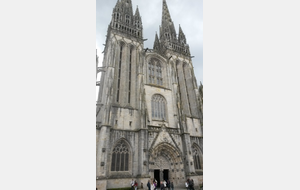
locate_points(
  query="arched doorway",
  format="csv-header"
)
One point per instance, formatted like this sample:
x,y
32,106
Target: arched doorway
x,y
165,163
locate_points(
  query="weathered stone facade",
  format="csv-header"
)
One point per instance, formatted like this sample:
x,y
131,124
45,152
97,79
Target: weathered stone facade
x,y
149,111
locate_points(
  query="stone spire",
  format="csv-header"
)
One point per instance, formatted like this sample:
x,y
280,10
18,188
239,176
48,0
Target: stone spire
x,y
124,20
137,12
181,37
137,19
167,29
123,7
156,45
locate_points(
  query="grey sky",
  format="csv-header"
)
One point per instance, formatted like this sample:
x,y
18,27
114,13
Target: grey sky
x,y
187,13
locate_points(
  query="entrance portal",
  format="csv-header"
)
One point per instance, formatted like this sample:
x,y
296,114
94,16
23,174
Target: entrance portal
x,y
156,176
166,164
166,175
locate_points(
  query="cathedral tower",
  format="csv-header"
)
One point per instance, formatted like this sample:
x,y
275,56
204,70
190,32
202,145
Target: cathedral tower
x,y
148,113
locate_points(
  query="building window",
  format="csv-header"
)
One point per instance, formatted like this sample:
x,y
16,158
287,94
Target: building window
x,y
155,73
196,157
127,19
129,77
120,157
119,74
158,107
137,24
159,75
167,36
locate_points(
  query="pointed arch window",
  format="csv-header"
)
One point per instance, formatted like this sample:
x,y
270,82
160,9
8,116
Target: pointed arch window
x,y
167,36
120,157
117,16
196,157
119,73
127,19
129,77
158,107
137,24
155,73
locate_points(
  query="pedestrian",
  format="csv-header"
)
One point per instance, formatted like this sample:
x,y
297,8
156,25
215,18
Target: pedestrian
x,y
191,184
165,184
149,185
132,184
168,184
152,185
135,185
171,186
187,183
161,185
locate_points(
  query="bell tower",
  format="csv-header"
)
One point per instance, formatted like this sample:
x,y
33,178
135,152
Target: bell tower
x,y
148,116
118,105
184,86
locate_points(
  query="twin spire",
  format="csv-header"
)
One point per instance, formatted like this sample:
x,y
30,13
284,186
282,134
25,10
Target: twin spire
x,y
124,21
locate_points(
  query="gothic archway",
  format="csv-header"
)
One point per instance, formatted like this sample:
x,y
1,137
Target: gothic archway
x,y
166,159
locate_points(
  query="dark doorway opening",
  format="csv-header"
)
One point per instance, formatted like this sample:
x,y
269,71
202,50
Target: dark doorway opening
x,y
166,175
156,176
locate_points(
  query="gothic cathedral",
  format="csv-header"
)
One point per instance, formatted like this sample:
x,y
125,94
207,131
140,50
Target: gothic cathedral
x,y
149,109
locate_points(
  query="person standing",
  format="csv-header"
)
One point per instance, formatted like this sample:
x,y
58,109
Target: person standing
x,y
165,184
171,186
187,184
168,184
149,185
135,185
192,184
132,184
152,185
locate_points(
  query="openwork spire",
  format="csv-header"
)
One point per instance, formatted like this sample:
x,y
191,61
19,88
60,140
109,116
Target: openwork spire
x,y
168,39
137,19
166,17
124,21
167,29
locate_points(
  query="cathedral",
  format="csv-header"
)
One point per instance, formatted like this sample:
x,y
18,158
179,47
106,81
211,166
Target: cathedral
x,y
149,111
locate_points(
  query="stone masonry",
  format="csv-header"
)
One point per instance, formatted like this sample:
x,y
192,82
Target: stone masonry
x,y
149,112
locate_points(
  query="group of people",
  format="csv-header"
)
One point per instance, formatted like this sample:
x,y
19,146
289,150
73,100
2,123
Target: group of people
x,y
133,184
189,184
164,185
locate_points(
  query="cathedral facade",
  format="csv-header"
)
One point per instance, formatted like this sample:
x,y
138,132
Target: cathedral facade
x,y
149,110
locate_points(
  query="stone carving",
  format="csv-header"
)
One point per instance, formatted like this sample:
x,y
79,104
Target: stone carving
x,y
123,109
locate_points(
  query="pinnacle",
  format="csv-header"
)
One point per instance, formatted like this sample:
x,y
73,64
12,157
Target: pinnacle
x,y
137,12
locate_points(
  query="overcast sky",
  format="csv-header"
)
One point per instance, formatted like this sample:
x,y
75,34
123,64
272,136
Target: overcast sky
x,y
187,13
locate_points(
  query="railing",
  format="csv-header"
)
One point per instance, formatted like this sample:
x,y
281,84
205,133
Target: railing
x,y
158,128
172,130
